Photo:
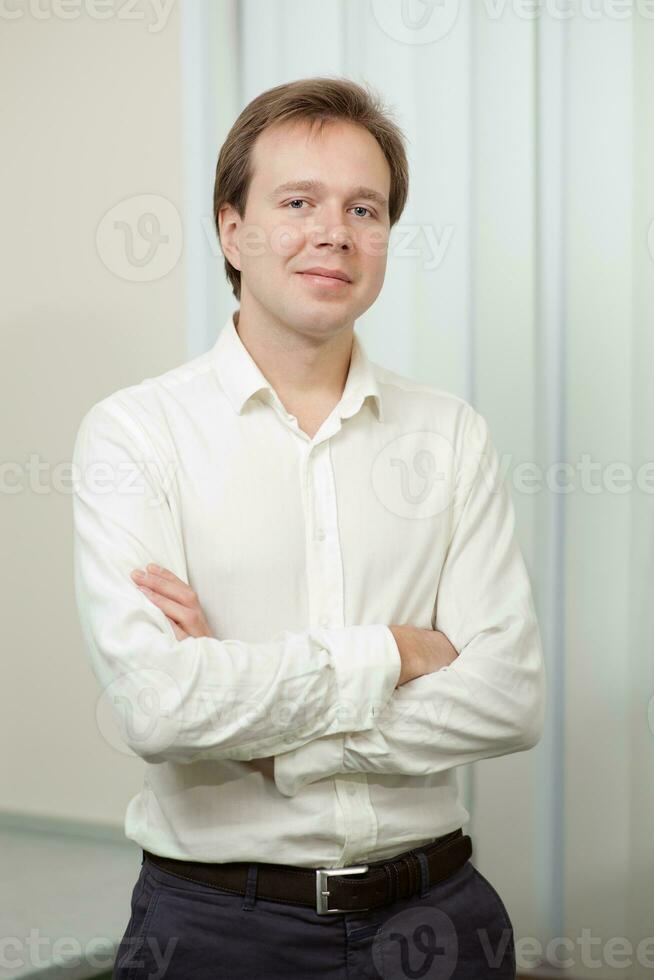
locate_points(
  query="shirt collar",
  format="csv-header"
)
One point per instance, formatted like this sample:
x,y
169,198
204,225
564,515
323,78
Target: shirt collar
x,y
241,378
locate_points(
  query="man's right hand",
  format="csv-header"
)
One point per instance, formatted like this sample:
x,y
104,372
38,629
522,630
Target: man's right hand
x,y
422,651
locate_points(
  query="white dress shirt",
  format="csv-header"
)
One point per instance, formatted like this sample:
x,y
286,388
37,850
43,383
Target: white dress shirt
x,y
283,736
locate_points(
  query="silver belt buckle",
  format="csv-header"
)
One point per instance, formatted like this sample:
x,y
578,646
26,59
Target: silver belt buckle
x,y
322,892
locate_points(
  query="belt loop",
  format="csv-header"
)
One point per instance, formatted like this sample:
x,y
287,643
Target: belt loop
x,y
424,873
396,875
251,888
411,885
391,882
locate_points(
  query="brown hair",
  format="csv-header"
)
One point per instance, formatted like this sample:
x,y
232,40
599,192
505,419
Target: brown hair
x,y
318,100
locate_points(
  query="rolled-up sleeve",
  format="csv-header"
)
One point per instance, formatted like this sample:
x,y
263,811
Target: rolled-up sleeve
x,y
491,700
198,698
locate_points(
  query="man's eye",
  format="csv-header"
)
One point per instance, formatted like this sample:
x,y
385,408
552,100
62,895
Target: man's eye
x,y
301,200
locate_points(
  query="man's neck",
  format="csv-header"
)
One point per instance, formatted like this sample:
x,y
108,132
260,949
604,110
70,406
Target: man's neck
x,y
308,375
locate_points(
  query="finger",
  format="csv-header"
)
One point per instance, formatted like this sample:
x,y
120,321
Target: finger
x,y
167,585
178,631
174,610
162,571
165,573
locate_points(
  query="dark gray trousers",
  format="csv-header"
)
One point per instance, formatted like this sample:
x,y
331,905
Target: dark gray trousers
x,y
180,930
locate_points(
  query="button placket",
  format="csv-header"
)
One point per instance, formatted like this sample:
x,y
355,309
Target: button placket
x,y
327,607
358,816
324,559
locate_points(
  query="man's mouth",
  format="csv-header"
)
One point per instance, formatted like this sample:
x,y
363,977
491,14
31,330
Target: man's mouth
x,y
325,278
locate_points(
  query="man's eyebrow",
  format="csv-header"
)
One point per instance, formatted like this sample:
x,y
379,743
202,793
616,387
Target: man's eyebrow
x,y
369,193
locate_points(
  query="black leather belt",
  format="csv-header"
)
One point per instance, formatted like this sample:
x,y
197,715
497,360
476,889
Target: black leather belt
x,y
329,890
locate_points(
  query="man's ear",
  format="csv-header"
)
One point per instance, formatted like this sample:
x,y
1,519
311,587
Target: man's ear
x,y
229,222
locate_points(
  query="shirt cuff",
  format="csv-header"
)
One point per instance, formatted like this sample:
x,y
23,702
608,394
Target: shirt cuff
x,y
319,759
368,665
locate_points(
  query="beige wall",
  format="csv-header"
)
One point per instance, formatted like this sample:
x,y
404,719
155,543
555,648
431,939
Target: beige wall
x,y
94,118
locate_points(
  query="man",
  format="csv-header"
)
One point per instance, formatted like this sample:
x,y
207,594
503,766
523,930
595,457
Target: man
x,y
306,603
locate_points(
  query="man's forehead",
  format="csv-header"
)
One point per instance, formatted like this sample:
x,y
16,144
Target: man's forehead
x,y
296,136
274,176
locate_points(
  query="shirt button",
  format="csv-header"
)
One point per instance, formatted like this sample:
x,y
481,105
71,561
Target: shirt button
x,y
324,620
351,790
320,535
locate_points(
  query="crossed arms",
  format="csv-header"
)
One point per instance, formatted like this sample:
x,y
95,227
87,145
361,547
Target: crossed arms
x,y
320,701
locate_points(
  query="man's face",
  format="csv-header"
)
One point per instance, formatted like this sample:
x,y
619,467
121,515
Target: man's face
x,y
334,225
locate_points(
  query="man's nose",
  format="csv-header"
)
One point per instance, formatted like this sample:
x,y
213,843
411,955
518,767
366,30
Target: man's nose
x,y
332,232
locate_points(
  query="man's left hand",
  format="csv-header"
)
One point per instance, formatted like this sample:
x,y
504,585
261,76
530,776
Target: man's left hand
x,y
175,598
